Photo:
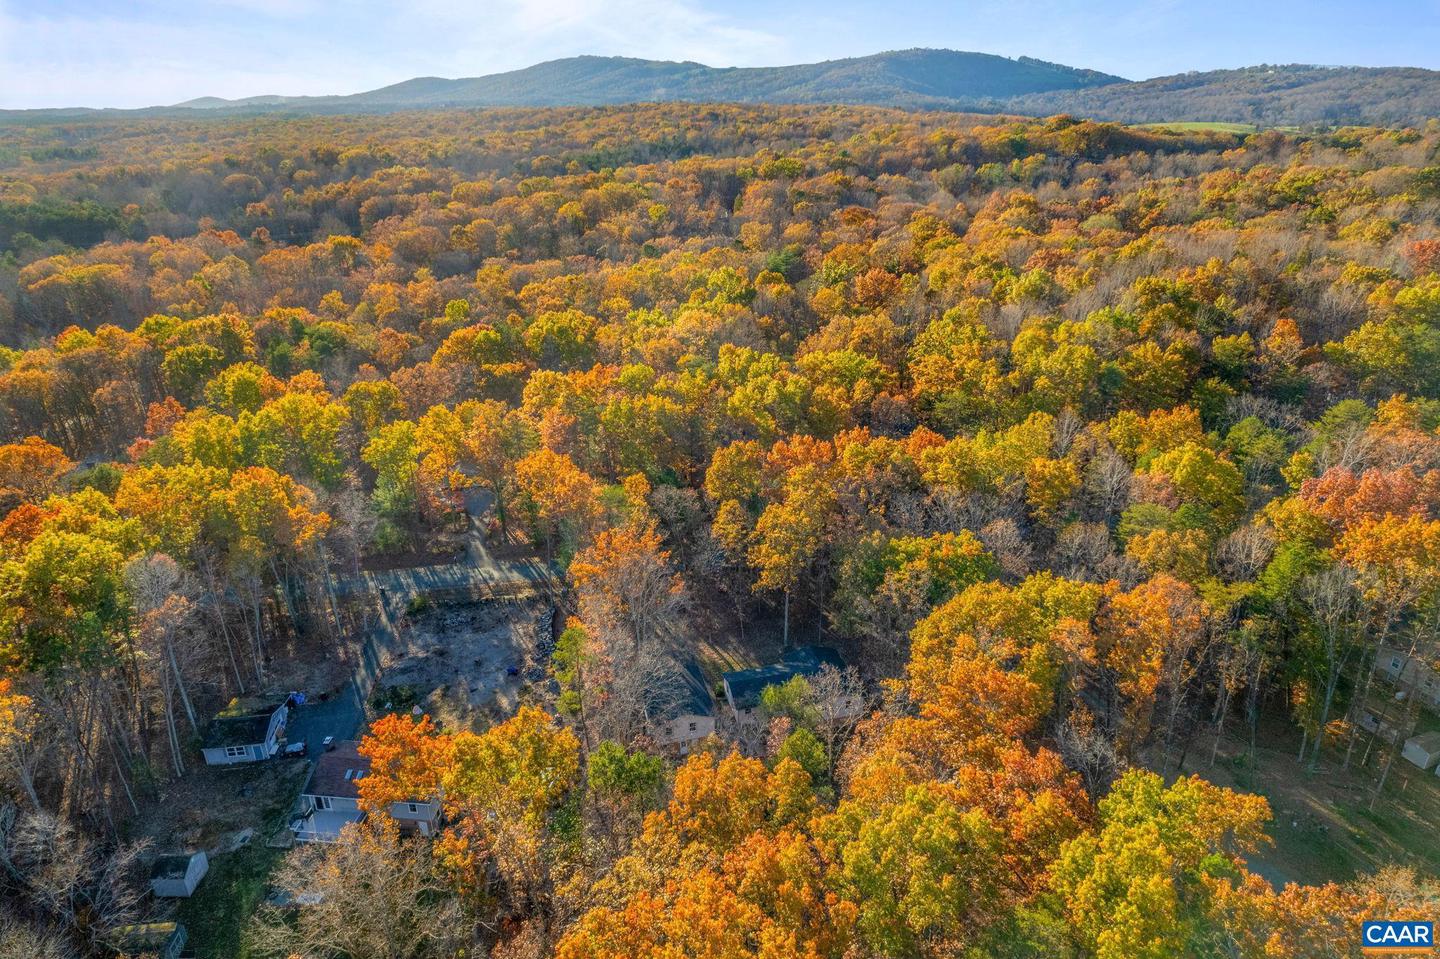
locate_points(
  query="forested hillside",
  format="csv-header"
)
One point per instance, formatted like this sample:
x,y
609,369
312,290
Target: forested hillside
x,y
1265,95
938,78
1294,95
1108,459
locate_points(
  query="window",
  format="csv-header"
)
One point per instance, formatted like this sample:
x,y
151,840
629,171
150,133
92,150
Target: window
x,y
232,751
414,807
322,802
693,727
1395,663
669,730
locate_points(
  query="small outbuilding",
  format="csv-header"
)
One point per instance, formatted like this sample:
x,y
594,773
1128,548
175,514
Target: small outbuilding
x,y
1423,750
244,739
163,939
177,876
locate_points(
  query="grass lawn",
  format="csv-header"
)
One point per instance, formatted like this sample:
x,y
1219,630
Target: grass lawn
x,y
217,915
1323,828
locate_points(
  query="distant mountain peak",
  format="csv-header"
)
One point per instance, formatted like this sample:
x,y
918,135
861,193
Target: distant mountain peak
x,y
913,77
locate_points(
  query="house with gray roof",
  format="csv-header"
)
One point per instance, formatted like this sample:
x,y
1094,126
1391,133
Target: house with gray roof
x,y
681,710
743,688
331,798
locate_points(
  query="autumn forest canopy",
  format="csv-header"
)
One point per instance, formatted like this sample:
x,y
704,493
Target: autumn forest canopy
x,y
1107,458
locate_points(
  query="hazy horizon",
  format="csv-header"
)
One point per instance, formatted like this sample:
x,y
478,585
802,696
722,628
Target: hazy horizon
x,y
83,53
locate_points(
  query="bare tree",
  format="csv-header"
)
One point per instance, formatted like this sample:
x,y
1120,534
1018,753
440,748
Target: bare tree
x,y
1107,480
1242,554
161,592
1334,606
839,696
373,893
19,938
1087,750
67,881
1003,538
25,738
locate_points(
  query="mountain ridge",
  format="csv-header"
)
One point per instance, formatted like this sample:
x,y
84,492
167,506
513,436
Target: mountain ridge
x,y
944,77
917,78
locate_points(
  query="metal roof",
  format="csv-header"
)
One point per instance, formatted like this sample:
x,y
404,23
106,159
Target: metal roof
x,y
745,686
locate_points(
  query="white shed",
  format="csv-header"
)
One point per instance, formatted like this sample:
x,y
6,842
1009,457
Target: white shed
x,y
1423,750
177,876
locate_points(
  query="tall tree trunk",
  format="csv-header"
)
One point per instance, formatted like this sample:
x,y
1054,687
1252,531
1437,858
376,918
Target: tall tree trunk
x,y
180,684
175,758
217,598
1364,701
1332,680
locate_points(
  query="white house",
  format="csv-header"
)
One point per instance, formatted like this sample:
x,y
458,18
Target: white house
x,y
1410,672
418,816
177,876
331,798
244,739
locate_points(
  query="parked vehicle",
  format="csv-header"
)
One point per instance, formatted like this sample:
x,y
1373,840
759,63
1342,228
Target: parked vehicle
x,y
292,750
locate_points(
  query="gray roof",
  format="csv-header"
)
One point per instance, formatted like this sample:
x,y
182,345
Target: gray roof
x,y
684,692
746,685
237,730
1430,742
171,867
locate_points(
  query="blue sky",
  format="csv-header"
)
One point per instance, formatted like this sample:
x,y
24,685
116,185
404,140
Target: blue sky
x,y
144,52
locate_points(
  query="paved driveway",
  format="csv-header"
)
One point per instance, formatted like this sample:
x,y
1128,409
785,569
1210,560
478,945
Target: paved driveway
x,y
339,716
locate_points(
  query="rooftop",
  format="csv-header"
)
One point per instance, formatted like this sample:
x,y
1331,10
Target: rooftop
x,y
683,692
146,935
1428,741
171,867
338,772
237,730
746,685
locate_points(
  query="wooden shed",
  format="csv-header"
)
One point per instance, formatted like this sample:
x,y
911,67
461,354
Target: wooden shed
x,y
163,939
